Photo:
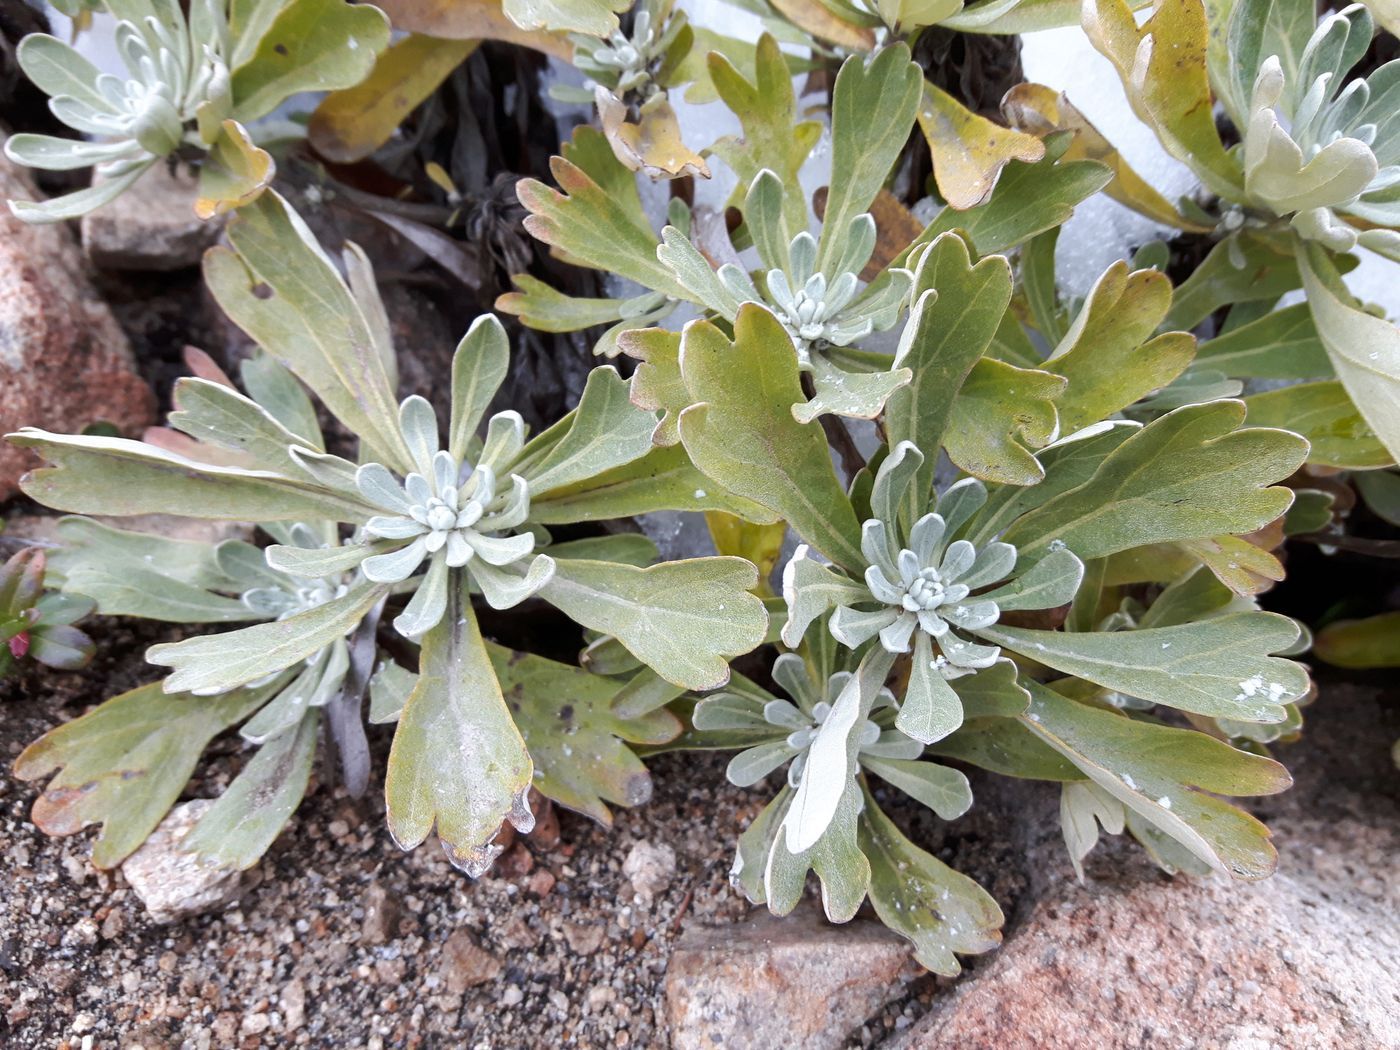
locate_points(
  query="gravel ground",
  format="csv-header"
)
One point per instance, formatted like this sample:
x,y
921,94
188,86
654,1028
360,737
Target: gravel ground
x,y
343,940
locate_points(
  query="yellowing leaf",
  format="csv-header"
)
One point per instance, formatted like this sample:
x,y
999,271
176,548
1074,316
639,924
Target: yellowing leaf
x,y
968,150
822,22
234,173
759,543
1163,67
472,20
1039,110
594,17
653,144
351,124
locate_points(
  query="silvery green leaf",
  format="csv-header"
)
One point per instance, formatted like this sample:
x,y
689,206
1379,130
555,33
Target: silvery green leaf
x,y
506,588
215,414
478,368
1155,771
238,828
79,202
605,431
930,709
1048,584
283,398
86,543
948,330
389,690
123,588
429,600
836,857
1219,667
56,154
57,69
119,477
856,395
750,766
992,692
940,910
644,693
763,215
1258,29
811,590
312,688
125,763
873,105
283,290
418,422
1283,344
458,764
684,619
1189,474
755,844
703,286
215,662
829,772
941,788
319,562
1083,807
740,428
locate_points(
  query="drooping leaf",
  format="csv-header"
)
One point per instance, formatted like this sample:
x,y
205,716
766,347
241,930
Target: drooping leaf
x,y
969,151
352,123
1370,642
458,765
1219,667
1155,771
683,619
1365,350
234,172
941,911
741,429
124,764
577,740
237,829
652,144
1188,474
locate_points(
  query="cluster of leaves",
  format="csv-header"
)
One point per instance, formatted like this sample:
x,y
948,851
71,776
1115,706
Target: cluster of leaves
x,y
36,623
1031,532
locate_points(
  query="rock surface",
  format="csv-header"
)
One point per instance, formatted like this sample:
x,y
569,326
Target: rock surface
x,y
64,362
775,984
650,868
1306,959
152,226
174,885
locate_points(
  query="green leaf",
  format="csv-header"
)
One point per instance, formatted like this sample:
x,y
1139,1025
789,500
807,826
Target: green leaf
x,y
940,788
1239,269
594,227
605,431
997,404
663,479
577,740
1365,350
1005,746
941,911
774,139
1028,199
958,307
1370,642
220,416
239,828
1257,30
1283,344
284,291
1109,354
836,857
872,109
124,764
1324,414
683,619
214,662
458,764
1155,770
479,366
545,309
1219,667
1189,474
78,203
311,45
1162,64
114,476
741,431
